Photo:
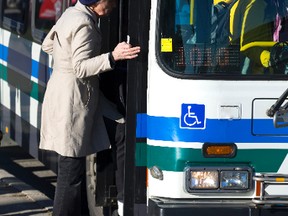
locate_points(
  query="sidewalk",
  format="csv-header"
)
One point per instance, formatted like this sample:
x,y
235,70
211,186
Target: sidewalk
x,y
18,198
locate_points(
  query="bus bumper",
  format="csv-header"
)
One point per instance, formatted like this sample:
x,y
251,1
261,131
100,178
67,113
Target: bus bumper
x,y
168,207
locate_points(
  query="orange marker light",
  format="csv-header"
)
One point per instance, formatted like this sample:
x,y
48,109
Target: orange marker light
x,y
279,179
258,188
219,150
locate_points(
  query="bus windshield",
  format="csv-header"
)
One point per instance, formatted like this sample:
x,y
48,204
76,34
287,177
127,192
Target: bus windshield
x,y
228,37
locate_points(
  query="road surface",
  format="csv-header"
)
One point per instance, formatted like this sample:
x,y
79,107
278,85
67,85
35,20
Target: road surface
x,y
26,186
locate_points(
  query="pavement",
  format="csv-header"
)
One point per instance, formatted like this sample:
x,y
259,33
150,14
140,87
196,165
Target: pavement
x,y
16,196
19,198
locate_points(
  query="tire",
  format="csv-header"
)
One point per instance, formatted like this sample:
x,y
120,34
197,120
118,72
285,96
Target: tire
x,y
91,186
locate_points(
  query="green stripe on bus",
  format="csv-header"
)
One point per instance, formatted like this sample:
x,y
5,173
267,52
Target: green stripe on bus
x,y
141,154
3,72
36,91
176,159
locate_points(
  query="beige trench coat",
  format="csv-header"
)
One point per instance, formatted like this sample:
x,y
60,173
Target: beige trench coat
x,y
71,122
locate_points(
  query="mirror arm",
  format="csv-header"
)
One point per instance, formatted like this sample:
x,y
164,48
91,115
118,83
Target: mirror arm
x,y
276,106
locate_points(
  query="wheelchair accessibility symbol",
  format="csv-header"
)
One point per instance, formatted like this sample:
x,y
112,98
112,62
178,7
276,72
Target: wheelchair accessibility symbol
x,y
192,116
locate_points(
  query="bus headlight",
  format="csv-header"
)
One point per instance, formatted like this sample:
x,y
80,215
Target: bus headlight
x,y
218,179
204,179
236,180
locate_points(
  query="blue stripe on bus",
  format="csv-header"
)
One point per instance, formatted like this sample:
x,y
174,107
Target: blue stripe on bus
x,y
241,131
25,64
141,129
3,52
35,68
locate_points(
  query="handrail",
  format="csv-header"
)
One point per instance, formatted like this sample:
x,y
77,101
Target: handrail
x,y
258,44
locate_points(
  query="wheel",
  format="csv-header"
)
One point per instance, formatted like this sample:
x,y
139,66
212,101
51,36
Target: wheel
x,y
91,186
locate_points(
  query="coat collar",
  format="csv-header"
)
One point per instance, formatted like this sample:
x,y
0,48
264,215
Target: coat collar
x,y
87,10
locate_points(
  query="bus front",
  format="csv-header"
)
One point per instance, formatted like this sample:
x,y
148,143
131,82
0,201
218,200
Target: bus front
x,y
210,145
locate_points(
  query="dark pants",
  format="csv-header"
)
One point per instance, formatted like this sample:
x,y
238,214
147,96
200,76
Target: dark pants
x,y
67,200
120,154
116,132
71,174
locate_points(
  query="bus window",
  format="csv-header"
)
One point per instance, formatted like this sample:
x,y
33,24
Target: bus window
x,y
212,37
45,14
48,11
15,15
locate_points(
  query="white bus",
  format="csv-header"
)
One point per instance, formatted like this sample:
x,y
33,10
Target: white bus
x,y
198,137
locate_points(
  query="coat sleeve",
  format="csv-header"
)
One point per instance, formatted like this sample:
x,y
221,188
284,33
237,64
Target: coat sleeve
x,y
47,45
84,48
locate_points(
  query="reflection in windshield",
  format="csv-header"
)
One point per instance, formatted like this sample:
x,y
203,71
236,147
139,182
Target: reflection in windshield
x,y
16,9
244,37
50,9
49,12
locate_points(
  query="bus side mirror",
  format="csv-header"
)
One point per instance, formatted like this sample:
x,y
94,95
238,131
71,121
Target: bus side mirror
x,y
280,118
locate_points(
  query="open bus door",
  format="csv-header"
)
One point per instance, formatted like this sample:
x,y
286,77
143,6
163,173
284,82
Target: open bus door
x,y
126,87
130,18
136,157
